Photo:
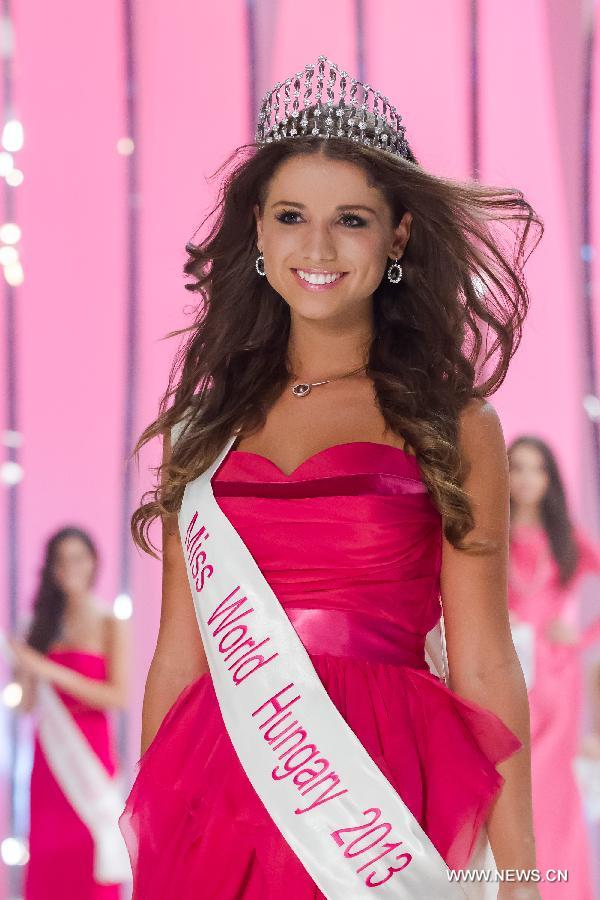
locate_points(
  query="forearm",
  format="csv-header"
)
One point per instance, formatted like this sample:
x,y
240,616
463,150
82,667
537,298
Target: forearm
x,y
510,825
97,694
28,687
164,684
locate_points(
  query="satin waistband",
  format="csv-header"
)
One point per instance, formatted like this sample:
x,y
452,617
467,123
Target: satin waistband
x,y
336,632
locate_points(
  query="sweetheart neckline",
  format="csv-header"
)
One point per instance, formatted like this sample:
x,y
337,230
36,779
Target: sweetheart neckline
x,y
409,457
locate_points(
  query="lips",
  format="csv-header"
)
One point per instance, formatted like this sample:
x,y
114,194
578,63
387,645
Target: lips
x,y
318,287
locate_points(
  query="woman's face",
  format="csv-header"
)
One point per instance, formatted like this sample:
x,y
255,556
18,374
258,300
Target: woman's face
x,y
315,220
74,566
528,476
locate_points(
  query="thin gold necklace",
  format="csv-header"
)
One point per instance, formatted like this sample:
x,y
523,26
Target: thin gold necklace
x,y
303,388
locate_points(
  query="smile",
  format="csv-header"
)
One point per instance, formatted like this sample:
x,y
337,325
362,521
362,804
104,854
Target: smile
x,y
318,280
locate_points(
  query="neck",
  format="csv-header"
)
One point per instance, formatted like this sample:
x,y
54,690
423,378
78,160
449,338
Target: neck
x,y
318,350
77,602
527,514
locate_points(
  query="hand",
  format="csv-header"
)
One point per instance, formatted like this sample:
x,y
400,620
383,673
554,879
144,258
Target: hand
x,y
562,632
28,659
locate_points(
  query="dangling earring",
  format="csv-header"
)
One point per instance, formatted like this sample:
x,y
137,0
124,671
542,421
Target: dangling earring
x,y
394,272
260,264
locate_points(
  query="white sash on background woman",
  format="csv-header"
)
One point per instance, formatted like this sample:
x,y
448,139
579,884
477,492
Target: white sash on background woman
x,y
96,797
523,635
332,804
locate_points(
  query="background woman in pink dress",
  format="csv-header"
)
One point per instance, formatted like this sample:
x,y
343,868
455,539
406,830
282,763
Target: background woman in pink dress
x,y
78,646
549,556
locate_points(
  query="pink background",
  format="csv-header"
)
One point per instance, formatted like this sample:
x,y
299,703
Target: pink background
x,y
193,100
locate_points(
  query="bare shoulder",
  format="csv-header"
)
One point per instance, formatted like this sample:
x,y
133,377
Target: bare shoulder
x,y
480,425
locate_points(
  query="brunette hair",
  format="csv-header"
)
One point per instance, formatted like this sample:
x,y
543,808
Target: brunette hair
x,y
50,600
458,310
554,511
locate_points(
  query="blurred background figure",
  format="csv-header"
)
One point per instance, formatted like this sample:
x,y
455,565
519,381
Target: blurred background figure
x,y
75,644
549,556
587,763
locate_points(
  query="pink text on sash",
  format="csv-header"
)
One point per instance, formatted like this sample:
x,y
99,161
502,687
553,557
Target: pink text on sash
x,y
230,624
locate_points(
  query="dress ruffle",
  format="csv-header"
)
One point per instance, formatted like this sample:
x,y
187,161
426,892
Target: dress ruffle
x,y
195,827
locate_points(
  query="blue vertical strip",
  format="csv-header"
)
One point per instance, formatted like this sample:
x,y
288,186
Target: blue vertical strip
x,y
131,318
474,144
359,20
587,238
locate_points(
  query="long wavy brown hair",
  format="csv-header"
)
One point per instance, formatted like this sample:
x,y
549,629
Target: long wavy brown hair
x,y
443,335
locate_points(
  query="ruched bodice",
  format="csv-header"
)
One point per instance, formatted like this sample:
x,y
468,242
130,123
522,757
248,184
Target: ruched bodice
x,y
371,589
350,543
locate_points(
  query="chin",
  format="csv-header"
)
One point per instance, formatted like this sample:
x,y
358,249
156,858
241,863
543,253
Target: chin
x,y
317,307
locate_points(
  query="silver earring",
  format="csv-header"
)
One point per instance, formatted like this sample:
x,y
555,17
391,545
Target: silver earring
x,y
260,264
394,272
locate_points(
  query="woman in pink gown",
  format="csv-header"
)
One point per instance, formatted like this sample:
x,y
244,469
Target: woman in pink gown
x,y
75,645
549,557
350,543
357,403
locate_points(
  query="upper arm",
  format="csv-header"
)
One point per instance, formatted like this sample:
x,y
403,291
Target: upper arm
x,y
28,684
179,645
589,551
117,654
474,587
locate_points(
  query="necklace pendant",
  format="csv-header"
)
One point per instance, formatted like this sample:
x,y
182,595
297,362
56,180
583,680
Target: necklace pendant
x,y
301,390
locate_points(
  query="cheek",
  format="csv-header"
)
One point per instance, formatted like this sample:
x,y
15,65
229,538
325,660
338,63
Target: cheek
x,y
367,254
87,568
281,241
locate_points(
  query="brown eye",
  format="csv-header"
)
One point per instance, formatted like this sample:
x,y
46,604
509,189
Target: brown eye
x,y
282,217
361,222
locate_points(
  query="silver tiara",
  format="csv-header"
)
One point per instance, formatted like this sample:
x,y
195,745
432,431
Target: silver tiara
x,y
350,109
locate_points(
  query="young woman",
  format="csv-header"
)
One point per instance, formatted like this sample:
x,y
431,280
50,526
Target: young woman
x,y
549,557
370,471
78,647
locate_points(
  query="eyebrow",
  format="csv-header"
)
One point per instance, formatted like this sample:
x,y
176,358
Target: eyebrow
x,y
340,208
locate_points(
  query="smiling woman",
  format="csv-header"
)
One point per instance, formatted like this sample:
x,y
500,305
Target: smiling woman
x,y
323,244
347,297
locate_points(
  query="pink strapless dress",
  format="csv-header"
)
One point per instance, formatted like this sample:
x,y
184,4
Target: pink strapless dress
x,y
60,844
350,543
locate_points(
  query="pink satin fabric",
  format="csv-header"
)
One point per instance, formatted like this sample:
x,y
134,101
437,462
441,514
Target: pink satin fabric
x,y
350,543
356,635
60,844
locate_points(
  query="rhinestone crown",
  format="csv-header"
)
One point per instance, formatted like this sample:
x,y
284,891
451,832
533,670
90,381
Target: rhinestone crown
x,y
349,109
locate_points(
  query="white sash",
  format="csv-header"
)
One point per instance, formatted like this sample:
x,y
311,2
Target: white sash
x,y
94,795
523,635
332,804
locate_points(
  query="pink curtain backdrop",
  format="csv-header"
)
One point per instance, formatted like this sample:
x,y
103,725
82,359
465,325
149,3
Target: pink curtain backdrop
x,y
193,94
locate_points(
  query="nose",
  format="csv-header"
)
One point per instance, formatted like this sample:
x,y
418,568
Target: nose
x,y
319,244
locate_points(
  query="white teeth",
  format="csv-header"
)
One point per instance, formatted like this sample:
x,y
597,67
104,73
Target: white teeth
x,y
314,278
